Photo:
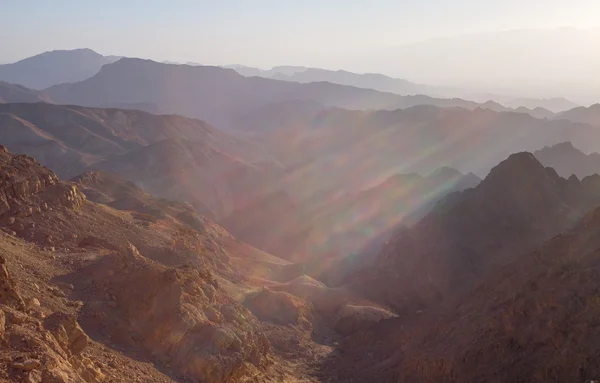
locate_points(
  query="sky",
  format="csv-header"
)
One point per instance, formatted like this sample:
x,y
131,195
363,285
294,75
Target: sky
x,y
264,33
534,48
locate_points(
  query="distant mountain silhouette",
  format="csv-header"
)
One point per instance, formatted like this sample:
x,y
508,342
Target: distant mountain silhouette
x,y
551,105
55,67
536,112
383,83
590,115
469,234
216,94
19,93
567,160
369,80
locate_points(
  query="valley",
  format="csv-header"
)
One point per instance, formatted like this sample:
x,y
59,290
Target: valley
x,y
164,222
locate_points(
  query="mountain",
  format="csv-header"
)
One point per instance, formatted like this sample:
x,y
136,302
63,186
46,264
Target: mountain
x,y
419,140
171,156
590,115
116,192
55,67
375,81
511,328
470,234
214,182
568,160
538,112
552,105
17,93
217,94
70,138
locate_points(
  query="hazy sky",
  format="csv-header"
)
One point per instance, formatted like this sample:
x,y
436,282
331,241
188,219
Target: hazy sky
x,y
266,32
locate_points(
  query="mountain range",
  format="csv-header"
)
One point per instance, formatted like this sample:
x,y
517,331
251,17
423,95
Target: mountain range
x,y
385,83
188,223
57,67
216,94
568,160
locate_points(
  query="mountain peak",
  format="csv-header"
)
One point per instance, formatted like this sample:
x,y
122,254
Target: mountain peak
x,y
54,67
523,166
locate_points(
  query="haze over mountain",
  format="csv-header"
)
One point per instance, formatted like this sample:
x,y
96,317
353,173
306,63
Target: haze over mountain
x,y
216,94
18,93
520,62
55,67
164,153
414,196
568,160
419,139
590,115
384,83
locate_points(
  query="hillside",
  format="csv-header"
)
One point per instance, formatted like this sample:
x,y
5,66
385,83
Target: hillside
x,y
215,182
154,151
134,287
55,67
530,321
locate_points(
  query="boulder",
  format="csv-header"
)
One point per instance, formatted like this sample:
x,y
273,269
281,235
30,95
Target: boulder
x,y
66,330
8,293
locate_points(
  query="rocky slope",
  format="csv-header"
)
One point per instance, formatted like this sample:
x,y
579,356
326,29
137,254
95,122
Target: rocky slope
x,y
70,138
165,307
137,288
469,234
214,182
159,152
533,320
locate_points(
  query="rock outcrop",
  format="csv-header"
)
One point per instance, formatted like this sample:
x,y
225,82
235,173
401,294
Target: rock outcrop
x,y
27,188
8,293
180,316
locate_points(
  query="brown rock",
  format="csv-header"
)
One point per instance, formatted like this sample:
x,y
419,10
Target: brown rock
x,y
33,302
2,323
27,365
8,294
67,332
34,377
